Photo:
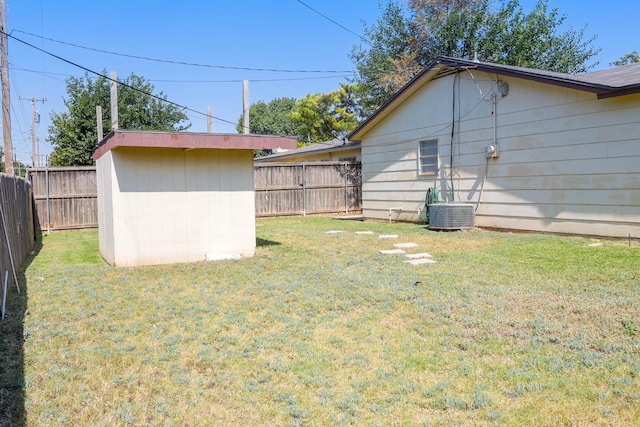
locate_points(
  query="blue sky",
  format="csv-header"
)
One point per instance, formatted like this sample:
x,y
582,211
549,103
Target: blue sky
x,y
277,34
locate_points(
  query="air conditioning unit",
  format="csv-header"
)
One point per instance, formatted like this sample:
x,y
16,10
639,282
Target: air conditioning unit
x,y
451,216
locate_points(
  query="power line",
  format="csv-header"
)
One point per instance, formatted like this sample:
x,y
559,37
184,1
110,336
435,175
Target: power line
x,y
49,74
252,80
334,22
44,74
169,61
110,79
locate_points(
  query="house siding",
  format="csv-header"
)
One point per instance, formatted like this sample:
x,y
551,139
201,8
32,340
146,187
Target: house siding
x,y
567,162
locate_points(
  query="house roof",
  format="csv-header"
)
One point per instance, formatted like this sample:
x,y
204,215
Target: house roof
x,y
609,83
190,141
335,145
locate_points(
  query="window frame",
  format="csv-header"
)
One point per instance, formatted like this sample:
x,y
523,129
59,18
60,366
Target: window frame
x,y
434,160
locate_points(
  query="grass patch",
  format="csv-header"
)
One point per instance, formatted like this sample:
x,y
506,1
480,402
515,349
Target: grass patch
x,y
321,329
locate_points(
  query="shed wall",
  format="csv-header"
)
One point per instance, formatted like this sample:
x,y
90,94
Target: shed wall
x,y
104,179
568,162
173,205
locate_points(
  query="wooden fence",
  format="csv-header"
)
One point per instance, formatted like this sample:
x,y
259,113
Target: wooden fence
x,y
307,188
66,197
16,225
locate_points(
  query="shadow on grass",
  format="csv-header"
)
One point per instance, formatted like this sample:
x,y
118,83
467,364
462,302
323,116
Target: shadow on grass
x,y
263,243
12,382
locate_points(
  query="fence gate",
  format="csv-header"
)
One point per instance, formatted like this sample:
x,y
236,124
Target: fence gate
x,y
65,197
294,188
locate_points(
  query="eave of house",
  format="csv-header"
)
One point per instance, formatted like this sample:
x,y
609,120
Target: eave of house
x,y
309,150
191,141
595,83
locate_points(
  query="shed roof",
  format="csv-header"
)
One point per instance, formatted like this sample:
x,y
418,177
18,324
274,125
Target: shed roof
x,y
605,84
191,141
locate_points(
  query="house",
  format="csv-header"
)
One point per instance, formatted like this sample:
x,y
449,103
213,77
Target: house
x,y
334,150
167,197
527,149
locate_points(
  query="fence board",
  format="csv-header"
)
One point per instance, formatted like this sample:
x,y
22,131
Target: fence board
x,y
15,201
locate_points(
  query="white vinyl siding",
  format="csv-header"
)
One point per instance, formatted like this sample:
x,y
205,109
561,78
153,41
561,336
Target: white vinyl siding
x,y
569,162
428,157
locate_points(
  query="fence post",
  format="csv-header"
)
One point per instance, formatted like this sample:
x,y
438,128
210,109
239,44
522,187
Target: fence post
x,y
346,190
4,292
32,226
304,190
46,184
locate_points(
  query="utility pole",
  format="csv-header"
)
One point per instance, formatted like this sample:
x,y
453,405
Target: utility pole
x,y
209,120
6,97
245,106
99,122
35,118
113,86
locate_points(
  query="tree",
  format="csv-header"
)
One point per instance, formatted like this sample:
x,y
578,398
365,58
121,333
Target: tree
x,y
629,58
321,117
73,133
405,40
390,40
271,118
533,41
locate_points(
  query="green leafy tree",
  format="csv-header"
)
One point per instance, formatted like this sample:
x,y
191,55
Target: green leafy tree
x,y
325,116
271,118
378,64
629,58
405,40
73,133
532,40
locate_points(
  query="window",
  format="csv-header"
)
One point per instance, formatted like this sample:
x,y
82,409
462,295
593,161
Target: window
x,y
428,157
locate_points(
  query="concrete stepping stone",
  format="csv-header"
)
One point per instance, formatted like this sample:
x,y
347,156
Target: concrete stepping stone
x,y
419,261
388,236
391,251
417,256
364,232
334,231
405,245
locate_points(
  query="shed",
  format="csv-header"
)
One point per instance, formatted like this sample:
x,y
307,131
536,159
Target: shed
x,y
528,149
168,197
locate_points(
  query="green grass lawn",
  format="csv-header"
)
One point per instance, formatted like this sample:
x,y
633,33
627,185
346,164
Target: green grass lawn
x,y
322,329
